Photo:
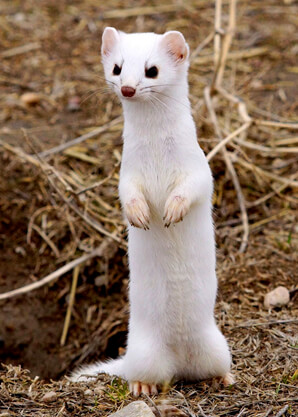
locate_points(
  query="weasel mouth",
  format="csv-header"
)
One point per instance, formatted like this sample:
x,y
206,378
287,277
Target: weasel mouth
x,y
128,91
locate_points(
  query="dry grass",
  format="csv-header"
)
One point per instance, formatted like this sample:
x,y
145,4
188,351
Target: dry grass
x,y
246,124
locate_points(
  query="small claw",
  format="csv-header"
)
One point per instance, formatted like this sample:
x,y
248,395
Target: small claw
x,y
228,379
145,389
137,388
154,390
134,388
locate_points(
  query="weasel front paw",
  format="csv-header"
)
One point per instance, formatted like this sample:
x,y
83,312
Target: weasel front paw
x,y
137,213
175,209
137,388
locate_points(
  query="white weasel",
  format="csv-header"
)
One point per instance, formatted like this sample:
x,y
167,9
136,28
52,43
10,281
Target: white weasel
x,y
164,178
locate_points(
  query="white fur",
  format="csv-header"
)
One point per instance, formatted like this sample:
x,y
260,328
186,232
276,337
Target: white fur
x,y
172,331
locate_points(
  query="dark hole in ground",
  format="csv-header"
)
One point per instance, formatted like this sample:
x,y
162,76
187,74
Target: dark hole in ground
x,y
115,344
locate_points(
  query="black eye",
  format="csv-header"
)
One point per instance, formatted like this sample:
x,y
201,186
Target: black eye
x,y
116,70
151,72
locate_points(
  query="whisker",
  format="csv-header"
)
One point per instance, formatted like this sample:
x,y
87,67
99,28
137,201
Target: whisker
x,y
157,85
165,106
171,98
98,90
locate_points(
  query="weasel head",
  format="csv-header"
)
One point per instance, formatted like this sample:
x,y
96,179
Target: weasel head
x,y
144,66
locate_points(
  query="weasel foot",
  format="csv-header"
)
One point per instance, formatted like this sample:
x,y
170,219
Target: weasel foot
x,y
137,213
228,379
137,388
175,209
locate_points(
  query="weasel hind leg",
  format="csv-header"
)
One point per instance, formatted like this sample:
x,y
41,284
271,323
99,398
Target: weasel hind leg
x,y
212,357
148,363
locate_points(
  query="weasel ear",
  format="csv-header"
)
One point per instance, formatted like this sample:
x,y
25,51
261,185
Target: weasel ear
x,y
110,37
175,45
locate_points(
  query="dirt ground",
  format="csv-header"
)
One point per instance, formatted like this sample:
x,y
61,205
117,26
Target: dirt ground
x,y
48,219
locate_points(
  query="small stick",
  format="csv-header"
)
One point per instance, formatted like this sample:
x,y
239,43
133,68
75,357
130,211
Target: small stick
x,y
80,139
293,126
264,173
267,149
268,412
256,225
202,45
241,412
56,274
141,11
201,410
47,240
243,54
237,100
70,304
20,50
282,411
97,226
217,29
226,44
223,142
98,183
269,195
286,141
158,414
231,169
268,323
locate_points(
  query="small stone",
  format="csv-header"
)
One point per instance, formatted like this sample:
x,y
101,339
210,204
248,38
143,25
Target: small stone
x,y
30,99
167,410
134,409
277,298
20,251
101,280
278,163
88,392
49,397
99,390
256,84
73,104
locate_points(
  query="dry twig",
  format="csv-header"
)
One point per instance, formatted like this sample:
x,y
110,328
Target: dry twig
x,y
70,304
56,274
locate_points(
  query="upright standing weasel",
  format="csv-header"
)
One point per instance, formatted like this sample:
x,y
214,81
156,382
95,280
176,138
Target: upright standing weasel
x,y
164,179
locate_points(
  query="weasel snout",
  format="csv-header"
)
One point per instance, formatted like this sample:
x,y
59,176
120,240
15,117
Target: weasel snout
x,y
128,91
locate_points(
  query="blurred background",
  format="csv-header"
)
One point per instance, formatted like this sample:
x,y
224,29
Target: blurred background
x,y
60,205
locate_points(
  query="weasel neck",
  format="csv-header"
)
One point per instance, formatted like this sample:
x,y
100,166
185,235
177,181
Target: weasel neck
x,y
159,113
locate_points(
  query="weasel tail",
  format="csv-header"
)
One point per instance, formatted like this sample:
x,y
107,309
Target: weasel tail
x,y
89,372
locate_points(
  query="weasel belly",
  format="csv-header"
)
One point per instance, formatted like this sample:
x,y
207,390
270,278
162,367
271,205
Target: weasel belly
x,y
172,278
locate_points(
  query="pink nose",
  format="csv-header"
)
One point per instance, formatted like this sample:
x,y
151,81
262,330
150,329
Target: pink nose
x,y
128,91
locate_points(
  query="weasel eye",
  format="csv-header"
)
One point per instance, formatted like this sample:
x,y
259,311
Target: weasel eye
x,y
116,70
151,72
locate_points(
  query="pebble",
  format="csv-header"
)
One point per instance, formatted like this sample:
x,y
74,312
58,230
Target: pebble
x,y
88,392
277,298
99,390
49,397
73,104
168,411
30,99
134,409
